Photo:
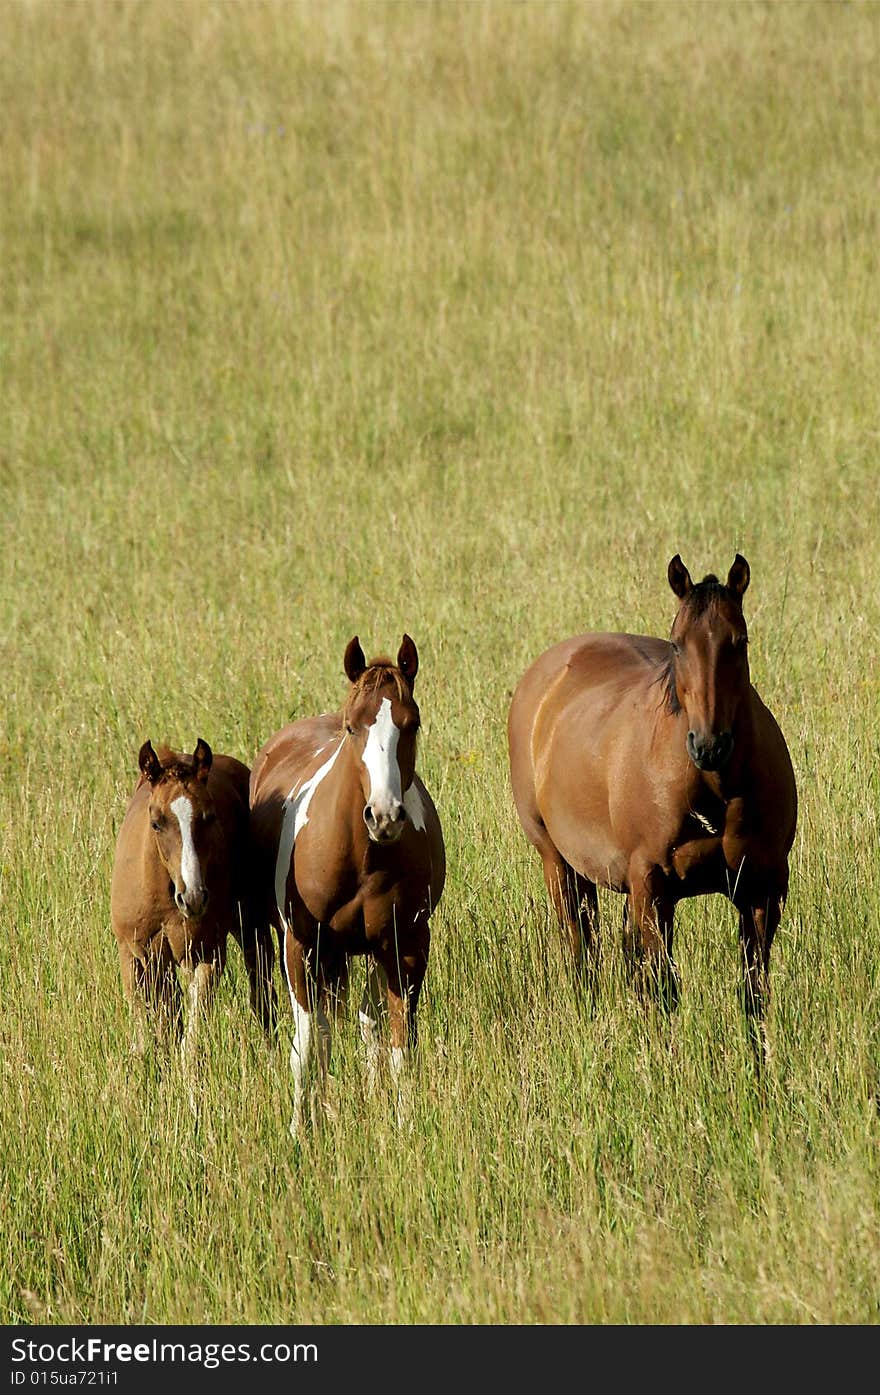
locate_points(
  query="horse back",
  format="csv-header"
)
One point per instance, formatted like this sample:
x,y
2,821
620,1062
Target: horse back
x,y
577,684
289,757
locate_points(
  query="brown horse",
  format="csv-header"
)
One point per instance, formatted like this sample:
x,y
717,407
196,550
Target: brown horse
x,y
177,886
652,767
348,859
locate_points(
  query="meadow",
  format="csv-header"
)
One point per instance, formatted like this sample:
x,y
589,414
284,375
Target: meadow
x,y
460,320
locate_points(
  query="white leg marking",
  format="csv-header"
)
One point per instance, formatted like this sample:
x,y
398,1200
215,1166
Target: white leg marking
x,y
300,1054
296,811
380,758
190,871
301,1051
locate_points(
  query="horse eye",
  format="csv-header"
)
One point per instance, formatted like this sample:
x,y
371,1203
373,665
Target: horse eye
x,y
349,728
209,816
157,824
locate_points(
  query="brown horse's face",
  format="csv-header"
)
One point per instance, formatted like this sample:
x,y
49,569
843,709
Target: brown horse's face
x,y
710,660
381,726
184,827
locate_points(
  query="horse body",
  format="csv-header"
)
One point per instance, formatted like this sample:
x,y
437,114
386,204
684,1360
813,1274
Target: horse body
x,y
348,859
177,886
653,768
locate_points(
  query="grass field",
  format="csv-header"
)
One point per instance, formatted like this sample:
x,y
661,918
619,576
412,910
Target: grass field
x,y
458,319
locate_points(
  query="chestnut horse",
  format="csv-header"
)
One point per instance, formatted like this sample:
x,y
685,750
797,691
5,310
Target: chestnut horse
x,y
652,767
348,859
177,886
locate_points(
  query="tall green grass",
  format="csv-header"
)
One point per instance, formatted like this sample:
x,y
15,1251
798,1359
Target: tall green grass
x,y
458,319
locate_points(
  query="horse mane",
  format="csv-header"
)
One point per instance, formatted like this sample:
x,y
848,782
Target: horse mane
x,y
706,595
665,680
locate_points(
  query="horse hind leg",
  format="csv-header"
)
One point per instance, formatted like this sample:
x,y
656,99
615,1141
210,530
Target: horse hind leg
x,y
259,959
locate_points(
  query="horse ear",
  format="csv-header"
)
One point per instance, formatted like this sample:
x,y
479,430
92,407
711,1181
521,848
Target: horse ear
x,y
203,759
149,763
679,577
354,660
408,659
739,576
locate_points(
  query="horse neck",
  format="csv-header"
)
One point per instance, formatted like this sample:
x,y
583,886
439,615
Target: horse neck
x,y
743,743
345,780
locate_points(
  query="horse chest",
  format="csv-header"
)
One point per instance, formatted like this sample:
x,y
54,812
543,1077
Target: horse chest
x,y
186,939
707,856
358,907
697,863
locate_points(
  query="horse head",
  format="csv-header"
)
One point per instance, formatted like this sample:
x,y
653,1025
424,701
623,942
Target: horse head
x,y
381,722
710,660
183,822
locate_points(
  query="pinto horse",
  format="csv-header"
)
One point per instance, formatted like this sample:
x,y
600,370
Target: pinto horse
x,y
177,887
348,858
652,767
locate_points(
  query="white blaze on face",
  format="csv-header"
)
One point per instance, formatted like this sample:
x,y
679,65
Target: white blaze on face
x,y
190,871
380,758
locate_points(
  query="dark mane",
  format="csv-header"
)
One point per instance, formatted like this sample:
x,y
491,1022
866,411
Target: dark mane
x,y
665,680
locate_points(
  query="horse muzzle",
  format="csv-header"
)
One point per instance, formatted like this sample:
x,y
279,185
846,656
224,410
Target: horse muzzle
x,y
710,752
385,825
192,903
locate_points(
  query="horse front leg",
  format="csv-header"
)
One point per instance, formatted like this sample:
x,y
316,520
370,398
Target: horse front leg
x,y
200,992
162,994
648,926
311,1026
372,1010
405,976
758,923
134,988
